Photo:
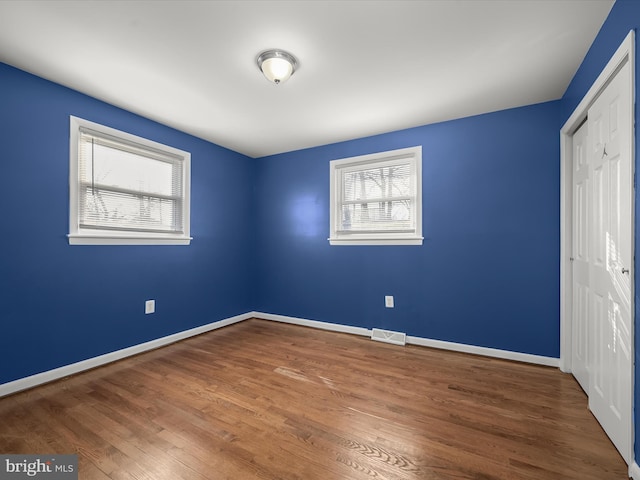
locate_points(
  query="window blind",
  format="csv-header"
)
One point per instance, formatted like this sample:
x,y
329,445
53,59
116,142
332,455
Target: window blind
x,y
125,186
377,198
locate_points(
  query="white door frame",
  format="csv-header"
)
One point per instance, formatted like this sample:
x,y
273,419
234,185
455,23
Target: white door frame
x,y
624,53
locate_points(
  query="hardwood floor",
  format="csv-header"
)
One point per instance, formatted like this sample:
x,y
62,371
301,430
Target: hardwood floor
x,y
263,400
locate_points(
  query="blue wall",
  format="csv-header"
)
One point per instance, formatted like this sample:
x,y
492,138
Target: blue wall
x,y
487,273
624,16
60,304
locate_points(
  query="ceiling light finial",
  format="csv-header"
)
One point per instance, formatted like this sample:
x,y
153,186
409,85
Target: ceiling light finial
x,y
277,65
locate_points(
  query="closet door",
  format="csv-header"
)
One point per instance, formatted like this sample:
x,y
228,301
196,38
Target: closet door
x,y
610,130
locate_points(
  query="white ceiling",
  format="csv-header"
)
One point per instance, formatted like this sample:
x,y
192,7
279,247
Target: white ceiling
x,y
366,67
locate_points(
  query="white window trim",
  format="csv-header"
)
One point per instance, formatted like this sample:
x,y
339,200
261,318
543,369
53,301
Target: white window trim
x,y
344,164
86,236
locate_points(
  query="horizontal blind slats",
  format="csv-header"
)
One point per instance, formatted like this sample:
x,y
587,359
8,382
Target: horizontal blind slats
x,y
116,210
99,186
128,187
109,141
377,199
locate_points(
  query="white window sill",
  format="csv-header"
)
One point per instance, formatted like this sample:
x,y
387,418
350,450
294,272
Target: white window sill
x,y
89,239
376,241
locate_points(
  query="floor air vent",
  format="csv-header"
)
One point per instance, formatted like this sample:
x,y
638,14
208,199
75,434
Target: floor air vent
x,y
397,338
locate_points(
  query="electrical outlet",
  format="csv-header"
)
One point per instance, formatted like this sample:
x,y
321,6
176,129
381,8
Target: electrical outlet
x,y
388,301
149,306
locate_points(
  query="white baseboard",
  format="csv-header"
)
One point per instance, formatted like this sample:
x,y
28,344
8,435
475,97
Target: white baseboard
x,y
634,471
485,351
425,342
334,327
61,372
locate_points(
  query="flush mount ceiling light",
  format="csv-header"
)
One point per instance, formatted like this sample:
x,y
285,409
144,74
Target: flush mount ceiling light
x,y
277,65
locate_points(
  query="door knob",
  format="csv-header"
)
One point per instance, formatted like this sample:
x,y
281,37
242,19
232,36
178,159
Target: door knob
x,y
625,270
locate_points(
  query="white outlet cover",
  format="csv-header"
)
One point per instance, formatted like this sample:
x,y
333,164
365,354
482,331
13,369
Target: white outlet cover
x,y
149,306
388,301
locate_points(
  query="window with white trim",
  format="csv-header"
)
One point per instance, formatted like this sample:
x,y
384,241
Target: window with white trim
x,y
125,189
377,199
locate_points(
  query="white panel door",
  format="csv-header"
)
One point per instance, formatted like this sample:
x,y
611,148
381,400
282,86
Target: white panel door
x,y
610,360
581,238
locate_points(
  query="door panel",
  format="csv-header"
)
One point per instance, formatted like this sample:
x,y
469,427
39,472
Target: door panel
x,y
597,233
597,377
610,364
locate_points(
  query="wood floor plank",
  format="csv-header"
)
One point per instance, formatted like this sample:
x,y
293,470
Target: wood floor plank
x,y
263,400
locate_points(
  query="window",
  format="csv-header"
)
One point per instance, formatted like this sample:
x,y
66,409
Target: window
x,y
377,199
125,189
